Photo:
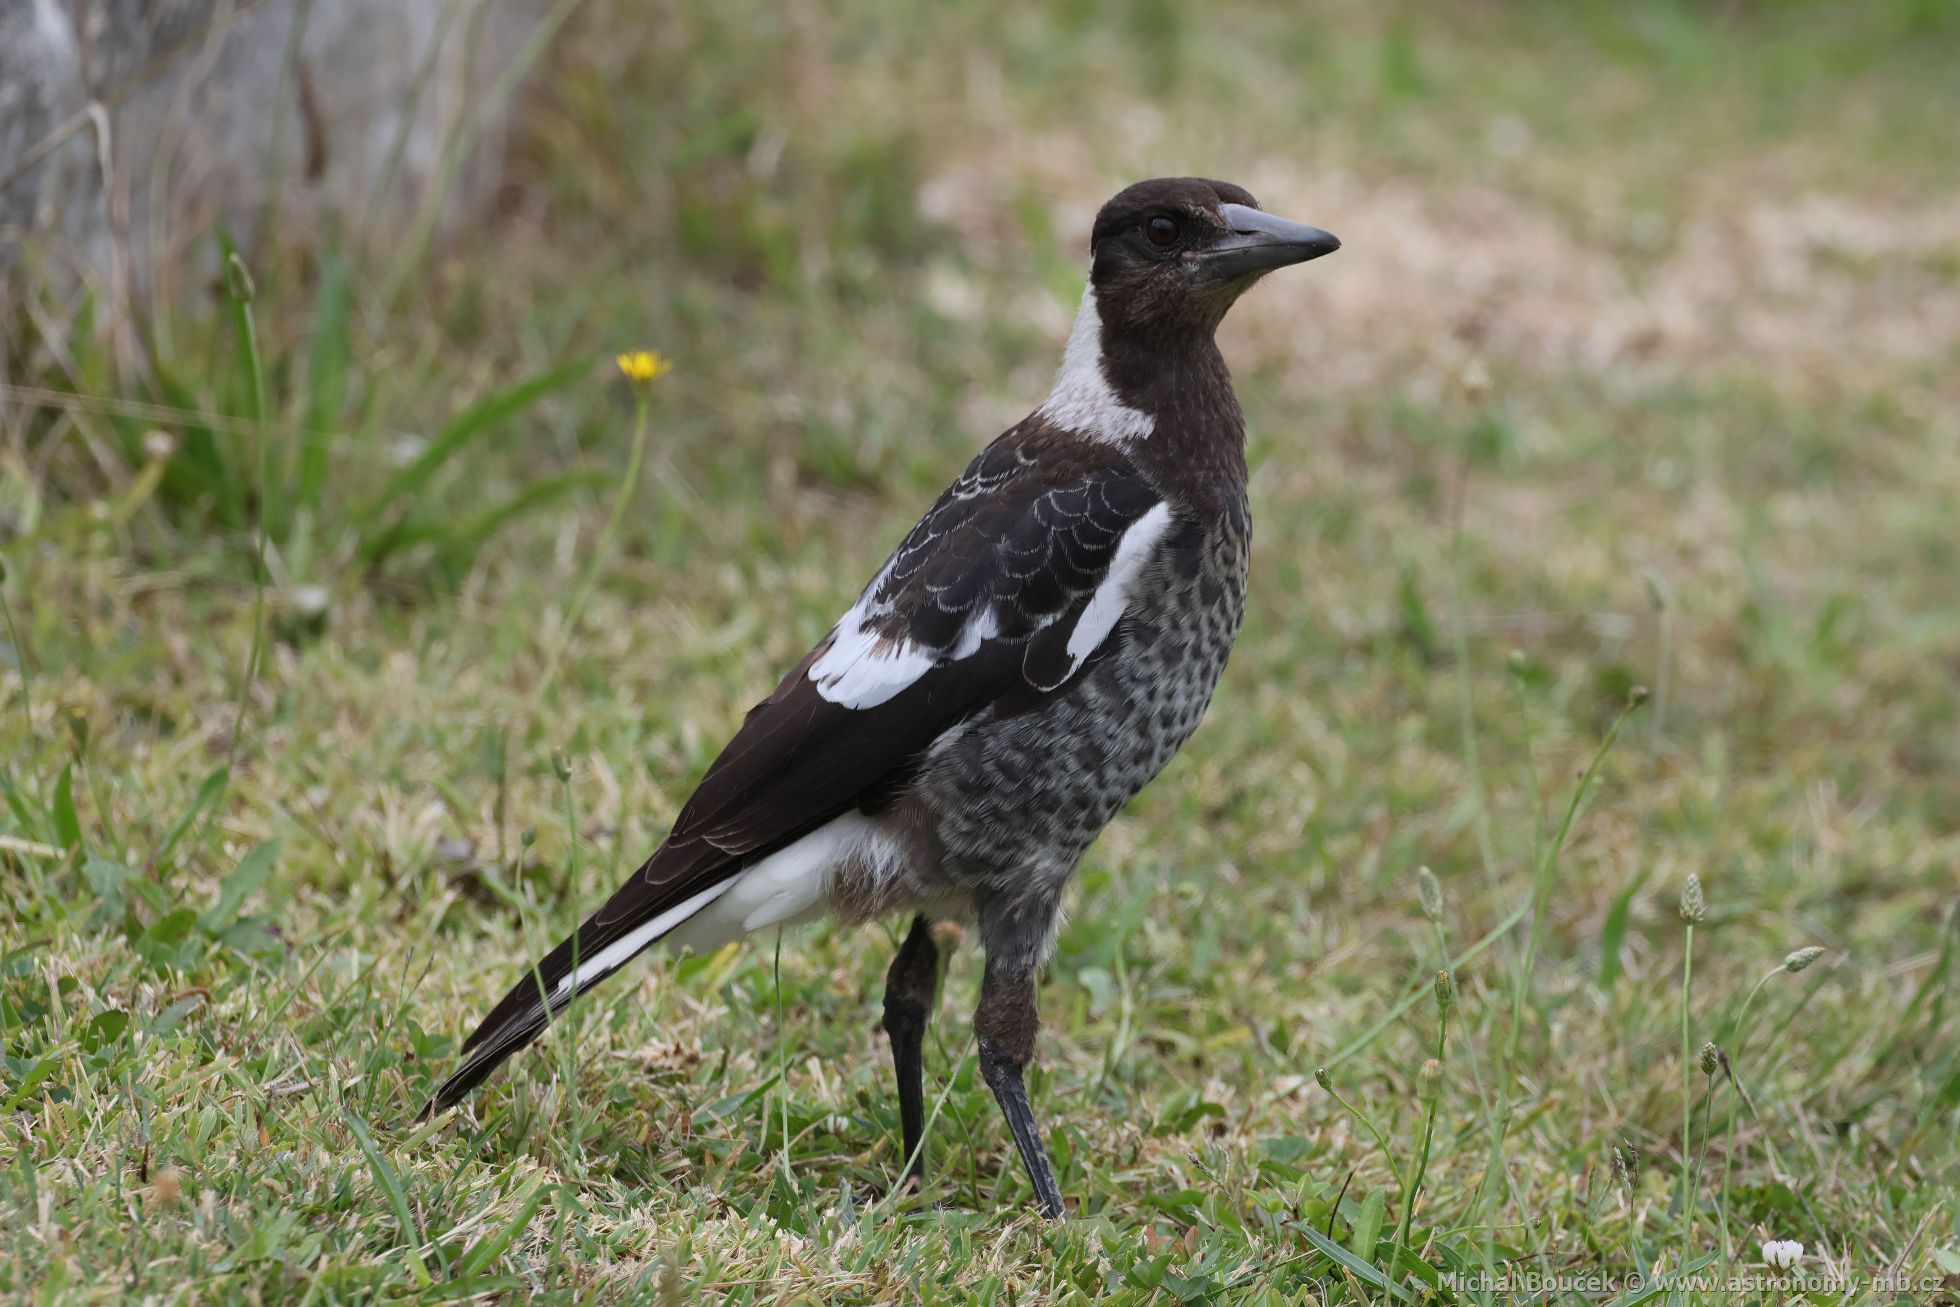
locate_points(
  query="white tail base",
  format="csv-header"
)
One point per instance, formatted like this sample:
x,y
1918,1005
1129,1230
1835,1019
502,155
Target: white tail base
x,y
788,886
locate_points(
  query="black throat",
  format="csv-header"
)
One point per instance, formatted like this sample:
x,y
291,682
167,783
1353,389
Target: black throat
x,y
1175,374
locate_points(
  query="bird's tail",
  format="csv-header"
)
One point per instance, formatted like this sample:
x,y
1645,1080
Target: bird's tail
x,y
634,919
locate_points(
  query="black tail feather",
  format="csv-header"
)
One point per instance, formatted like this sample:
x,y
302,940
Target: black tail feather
x,y
477,1067
520,1018
525,1011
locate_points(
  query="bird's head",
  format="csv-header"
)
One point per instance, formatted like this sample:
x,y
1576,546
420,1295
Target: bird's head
x,y
1175,253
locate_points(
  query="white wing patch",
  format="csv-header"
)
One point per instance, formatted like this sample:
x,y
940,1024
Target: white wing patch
x,y
862,669
1082,400
1112,598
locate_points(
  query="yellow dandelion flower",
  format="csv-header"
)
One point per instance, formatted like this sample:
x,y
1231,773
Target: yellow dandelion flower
x,y
643,365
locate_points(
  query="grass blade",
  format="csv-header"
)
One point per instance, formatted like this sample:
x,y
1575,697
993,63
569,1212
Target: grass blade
x,y
1365,1272
458,543
200,471
469,425
326,383
390,1183
30,1081
1657,1285
1612,935
487,1250
1368,1226
475,531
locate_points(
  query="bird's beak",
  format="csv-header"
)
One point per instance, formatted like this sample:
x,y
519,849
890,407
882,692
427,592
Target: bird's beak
x,y
1258,242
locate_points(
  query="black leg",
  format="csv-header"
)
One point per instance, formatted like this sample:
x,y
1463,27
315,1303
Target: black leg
x,y
1007,1023
910,988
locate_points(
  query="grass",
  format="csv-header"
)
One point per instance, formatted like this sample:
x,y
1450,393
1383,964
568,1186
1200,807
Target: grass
x,y
1637,370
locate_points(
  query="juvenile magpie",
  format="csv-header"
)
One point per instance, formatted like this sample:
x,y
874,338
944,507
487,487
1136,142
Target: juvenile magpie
x,y
1033,653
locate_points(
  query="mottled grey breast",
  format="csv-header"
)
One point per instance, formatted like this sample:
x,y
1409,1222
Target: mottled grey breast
x,y
1020,796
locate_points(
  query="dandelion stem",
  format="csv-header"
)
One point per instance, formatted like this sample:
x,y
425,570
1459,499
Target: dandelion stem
x,y
1388,1154
1687,1098
1707,1132
576,607
238,286
1545,876
561,764
1428,1136
1740,1037
1707,1117
20,656
782,1058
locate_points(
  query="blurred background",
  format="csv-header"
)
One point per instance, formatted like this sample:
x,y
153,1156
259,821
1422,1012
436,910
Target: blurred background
x,y
1639,367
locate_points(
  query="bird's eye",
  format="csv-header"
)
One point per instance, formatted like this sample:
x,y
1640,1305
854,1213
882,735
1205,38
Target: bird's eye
x,y
1161,232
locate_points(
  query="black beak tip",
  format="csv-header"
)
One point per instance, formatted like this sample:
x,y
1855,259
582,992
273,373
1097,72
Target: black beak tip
x,y
1313,243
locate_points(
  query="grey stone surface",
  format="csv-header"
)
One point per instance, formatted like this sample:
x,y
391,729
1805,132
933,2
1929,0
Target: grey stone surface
x,y
40,88
326,116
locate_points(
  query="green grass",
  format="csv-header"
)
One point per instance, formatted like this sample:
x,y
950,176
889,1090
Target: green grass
x,y
1637,370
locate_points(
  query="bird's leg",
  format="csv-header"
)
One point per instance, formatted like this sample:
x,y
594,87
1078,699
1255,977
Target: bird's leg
x,y
1007,1023
910,988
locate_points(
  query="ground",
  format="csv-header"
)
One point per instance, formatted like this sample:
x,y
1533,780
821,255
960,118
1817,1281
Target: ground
x,y
1604,493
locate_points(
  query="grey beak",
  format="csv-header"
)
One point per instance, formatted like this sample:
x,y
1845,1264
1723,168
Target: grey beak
x,y
1259,242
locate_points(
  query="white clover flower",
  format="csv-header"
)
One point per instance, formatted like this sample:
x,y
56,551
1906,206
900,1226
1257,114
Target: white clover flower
x,y
1782,1253
403,450
310,600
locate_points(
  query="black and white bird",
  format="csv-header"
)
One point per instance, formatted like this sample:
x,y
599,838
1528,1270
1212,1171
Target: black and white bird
x,y
1034,652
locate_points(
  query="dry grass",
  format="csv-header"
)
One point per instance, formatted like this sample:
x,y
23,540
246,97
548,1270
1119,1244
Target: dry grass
x,y
1637,369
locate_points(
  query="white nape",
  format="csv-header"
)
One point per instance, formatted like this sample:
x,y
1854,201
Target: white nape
x,y
1082,400
1112,598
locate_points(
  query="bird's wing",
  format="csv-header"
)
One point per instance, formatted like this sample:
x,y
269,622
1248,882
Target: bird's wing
x,y
1006,589
1008,584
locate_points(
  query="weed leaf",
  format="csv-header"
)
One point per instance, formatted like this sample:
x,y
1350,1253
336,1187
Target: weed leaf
x,y
250,873
106,1028
67,826
40,1071
207,793
1368,1225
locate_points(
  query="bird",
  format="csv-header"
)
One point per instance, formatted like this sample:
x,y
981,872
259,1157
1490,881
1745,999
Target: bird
x,y
1028,658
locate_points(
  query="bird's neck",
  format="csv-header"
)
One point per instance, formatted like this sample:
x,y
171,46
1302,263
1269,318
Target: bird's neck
x,y
1163,394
